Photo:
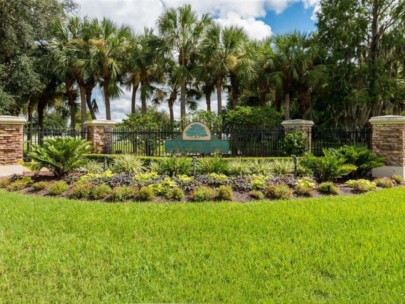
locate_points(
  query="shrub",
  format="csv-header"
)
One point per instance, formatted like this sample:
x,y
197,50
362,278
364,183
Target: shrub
x,y
225,193
328,188
305,186
282,167
212,165
361,185
82,190
123,193
61,155
58,188
146,194
4,182
164,186
202,193
19,184
363,158
145,177
257,195
239,168
214,178
127,164
258,182
175,194
278,191
100,192
93,167
295,143
384,182
154,166
397,178
39,186
174,166
329,167
260,167
185,179
92,176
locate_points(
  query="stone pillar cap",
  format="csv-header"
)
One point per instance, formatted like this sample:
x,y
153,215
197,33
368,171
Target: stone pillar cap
x,y
12,120
297,122
99,123
387,120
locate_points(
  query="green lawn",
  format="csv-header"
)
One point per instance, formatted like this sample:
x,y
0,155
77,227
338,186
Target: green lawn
x,y
329,250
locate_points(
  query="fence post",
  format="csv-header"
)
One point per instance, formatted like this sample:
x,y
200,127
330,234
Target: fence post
x,y
99,134
302,125
11,139
388,141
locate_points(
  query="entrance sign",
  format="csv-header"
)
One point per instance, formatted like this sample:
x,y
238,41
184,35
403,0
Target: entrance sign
x,y
197,138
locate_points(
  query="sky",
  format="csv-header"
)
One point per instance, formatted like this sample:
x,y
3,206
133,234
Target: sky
x,y
259,18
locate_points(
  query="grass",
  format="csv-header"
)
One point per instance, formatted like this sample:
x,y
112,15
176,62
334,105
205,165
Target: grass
x,y
327,250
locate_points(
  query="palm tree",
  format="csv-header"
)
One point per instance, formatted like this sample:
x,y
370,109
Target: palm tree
x,y
226,48
110,44
182,31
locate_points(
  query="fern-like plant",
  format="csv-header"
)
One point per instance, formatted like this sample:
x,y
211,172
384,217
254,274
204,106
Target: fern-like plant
x,y
61,155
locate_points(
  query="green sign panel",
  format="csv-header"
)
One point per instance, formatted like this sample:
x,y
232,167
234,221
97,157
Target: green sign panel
x,y
197,138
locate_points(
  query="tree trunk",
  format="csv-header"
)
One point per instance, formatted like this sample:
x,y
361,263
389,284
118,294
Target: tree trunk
x,y
171,112
287,106
234,91
107,99
42,102
29,135
89,90
83,106
219,95
144,107
183,100
72,105
135,86
208,100
373,61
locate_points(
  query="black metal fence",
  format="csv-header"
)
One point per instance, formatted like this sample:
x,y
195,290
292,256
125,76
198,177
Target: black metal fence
x,y
243,142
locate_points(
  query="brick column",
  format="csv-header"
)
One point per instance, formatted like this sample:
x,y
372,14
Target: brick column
x,y
11,139
99,134
301,125
388,140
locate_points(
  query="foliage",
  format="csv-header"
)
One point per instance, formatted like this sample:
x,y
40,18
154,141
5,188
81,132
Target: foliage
x,y
258,182
361,185
175,193
212,165
19,184
363,158
146,193
143,178
185,179
57,188
61,155
384,182
278,191
39,186
93,167
256,194
123,193
225,193
295,142
154,166
260,167
174,166
396,178
4,182
212,120
164,186
100,192
252,117
329,167
239,168
82,190
328,188
202,194
214,178
127,164
305,186
92,176
281,167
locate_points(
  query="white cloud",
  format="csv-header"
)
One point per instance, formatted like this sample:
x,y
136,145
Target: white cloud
x,y
256,29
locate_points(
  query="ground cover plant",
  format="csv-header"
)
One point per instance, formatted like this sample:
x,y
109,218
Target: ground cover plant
x,y
309,250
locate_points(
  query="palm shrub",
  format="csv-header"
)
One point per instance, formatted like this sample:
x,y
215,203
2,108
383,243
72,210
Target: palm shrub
x,y
128,164
61,155
363,158
329,167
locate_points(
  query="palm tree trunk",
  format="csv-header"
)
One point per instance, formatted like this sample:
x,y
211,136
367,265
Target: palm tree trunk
x,y
234,90
42,103
287,106
135,86
219,96
171,112
183,100
83,105
29,135
144,107
107,99
89,90
72,105
208,100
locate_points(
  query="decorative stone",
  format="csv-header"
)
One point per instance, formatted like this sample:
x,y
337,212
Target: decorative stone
x,y
99,134
388,141
11,139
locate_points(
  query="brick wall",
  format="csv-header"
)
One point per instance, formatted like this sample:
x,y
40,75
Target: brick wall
x,y
11,140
